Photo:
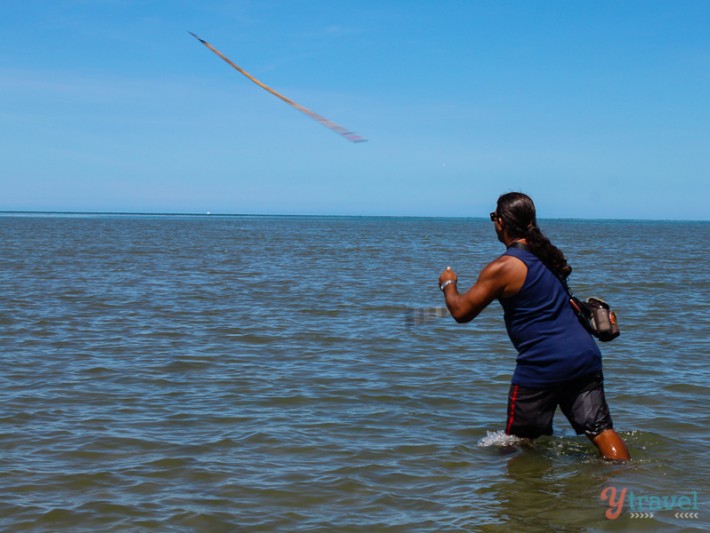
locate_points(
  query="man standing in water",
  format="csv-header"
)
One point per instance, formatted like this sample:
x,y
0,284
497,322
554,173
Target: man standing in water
x,y
558,361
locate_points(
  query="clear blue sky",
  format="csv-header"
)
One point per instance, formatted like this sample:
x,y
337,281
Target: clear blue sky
x,y
597,109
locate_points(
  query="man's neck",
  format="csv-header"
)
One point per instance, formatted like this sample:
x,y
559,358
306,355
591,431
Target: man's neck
x,y
510,240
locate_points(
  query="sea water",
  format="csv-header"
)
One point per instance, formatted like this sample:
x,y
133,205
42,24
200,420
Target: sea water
x,y
219,373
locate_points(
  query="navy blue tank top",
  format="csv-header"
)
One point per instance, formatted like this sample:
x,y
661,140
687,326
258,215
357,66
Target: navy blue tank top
x,y
553,347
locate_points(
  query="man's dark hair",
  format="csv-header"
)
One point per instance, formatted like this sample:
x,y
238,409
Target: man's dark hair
x,y
517,211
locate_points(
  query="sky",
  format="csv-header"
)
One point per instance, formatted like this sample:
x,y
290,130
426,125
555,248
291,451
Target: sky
x,y
596,109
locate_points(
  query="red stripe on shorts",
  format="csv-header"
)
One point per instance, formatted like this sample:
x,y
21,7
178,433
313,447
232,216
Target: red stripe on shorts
x,y
511,414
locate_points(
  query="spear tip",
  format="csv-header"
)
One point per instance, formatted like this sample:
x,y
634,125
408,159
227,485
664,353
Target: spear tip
x,y
196,37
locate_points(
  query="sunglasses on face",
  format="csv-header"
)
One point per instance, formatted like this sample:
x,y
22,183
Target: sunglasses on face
x,y
494,216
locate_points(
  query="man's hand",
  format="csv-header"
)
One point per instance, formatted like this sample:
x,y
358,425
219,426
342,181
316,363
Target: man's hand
x,y
447,275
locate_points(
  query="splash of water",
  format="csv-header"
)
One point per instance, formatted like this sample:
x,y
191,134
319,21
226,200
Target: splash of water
x,y
501,440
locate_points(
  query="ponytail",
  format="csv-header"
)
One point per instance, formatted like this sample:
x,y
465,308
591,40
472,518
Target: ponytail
x,y
517,211
548,253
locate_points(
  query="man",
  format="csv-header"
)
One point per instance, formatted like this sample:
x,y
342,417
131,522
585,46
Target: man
x,y
558,361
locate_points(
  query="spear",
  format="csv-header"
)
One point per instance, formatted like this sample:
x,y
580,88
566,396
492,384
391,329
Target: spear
x,y
349,135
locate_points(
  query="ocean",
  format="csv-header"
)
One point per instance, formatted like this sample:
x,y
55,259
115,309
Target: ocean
x,y
257,373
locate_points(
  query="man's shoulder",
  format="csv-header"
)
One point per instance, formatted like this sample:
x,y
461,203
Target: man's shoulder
x,y
507,274
507,260
505,265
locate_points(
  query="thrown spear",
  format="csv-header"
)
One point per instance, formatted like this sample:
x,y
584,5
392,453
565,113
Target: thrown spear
x,y
349,135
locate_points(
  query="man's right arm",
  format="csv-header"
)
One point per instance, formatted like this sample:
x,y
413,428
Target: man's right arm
x,y
501,278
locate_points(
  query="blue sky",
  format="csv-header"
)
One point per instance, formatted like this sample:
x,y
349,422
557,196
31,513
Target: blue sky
x,y
596,109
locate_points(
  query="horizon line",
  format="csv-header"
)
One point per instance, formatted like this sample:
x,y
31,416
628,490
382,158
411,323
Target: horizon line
x,y
210,214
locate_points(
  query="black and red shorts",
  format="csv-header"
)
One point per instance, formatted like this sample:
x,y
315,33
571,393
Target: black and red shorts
x,y
530,411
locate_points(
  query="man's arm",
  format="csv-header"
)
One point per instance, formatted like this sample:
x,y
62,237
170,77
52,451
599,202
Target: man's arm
x,y
501,278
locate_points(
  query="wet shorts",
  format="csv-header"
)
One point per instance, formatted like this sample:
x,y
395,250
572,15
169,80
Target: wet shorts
x,y
530,411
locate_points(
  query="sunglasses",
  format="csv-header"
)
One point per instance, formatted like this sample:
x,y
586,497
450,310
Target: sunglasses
x,y
494,216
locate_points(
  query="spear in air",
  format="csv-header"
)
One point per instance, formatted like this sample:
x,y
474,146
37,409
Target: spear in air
x,y
349,135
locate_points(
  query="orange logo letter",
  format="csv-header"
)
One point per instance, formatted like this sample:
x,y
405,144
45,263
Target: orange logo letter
x,y
615,505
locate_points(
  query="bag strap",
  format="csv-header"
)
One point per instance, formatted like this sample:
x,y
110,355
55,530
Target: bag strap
x,y
583,309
